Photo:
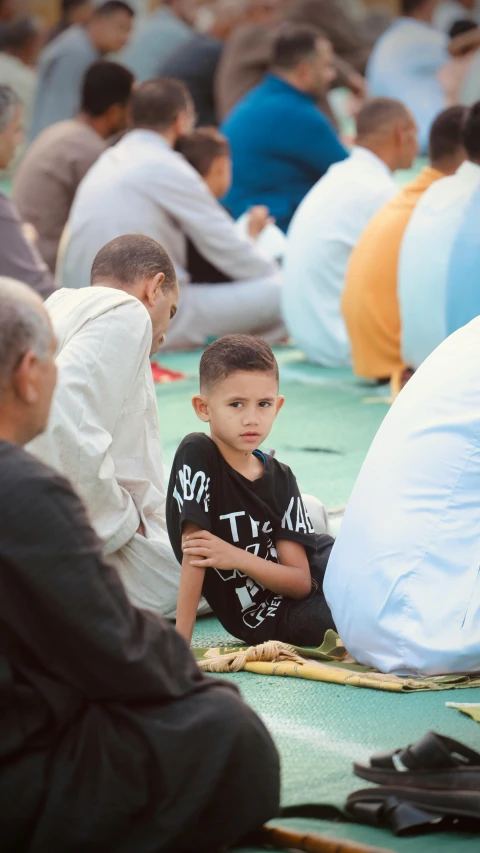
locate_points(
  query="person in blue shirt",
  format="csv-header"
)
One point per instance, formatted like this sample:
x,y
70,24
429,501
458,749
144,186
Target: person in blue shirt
x,y
281,143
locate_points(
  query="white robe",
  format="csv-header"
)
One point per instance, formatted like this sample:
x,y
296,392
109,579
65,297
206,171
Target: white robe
x,y
142,186
104,435
322,235
403,579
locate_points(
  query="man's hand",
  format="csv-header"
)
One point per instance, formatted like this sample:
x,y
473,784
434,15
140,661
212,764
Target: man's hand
x,y
208,550
258,218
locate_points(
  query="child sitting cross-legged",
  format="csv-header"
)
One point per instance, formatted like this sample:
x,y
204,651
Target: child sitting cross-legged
x,y
236,519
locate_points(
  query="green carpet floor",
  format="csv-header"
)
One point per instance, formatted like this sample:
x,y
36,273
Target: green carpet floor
x,y
320,729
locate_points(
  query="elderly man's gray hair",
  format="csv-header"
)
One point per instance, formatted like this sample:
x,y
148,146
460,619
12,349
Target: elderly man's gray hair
x,y
9,100
24,325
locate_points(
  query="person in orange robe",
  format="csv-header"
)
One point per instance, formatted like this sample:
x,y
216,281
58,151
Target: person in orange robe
x,y
370,303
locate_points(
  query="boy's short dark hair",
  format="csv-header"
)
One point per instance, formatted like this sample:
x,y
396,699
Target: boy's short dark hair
x,y
106,84
202,147
233,353
131,258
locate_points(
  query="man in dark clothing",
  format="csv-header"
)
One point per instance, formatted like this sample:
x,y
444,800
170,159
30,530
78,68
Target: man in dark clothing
x,y
112,739
195,62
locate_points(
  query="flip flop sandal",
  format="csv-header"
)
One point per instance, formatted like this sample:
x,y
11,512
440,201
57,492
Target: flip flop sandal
x,y
435,763
409,810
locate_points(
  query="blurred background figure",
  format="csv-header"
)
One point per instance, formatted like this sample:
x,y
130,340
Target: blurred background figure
x,y
437,277
7,10
195,62
455,74
209,154
73,12
281,142
248,53
336,22
61,155
406,61
449,12
19,258
20,46
470,91
65,60
370,299
142,185
329,222
158,35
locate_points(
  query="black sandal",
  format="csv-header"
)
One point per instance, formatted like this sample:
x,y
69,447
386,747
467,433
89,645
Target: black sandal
x,y
435,763
409,810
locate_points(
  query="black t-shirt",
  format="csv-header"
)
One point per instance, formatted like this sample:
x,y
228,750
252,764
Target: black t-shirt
x,y
206,490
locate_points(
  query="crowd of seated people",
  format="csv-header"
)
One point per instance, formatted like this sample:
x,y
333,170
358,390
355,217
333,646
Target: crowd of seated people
x,y
370,296
223,175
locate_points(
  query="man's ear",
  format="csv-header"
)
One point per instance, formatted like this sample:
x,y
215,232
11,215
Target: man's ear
x,y
153,288
279,405
23,382
200,405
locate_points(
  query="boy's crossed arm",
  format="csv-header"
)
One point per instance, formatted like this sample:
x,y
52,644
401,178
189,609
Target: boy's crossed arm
x,y
202,550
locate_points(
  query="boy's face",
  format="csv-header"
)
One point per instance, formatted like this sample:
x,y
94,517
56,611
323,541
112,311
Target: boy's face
x,y
241,409
219,176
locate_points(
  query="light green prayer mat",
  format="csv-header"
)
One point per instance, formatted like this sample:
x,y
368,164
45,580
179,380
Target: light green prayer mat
x,y
330,663
320,729
5,186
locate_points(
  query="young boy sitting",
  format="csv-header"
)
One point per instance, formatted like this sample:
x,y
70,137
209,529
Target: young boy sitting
x,y
208,151
236,520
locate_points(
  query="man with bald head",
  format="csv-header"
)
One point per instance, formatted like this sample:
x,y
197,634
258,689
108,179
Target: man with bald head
x,y
101,703
329,222
104,432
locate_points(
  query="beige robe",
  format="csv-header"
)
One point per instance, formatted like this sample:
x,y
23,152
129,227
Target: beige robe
x,y
104,435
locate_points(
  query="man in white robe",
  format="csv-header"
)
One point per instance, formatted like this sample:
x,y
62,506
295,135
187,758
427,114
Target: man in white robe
x,y
104,433
403,578
143,186
329,223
